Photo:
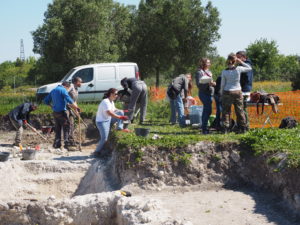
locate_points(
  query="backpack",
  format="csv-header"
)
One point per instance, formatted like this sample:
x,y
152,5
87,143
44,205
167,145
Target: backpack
x,y
171,92
288,122
260,97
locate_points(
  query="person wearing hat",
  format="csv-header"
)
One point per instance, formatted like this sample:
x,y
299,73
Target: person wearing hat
x,y
19,117
58,99
73,92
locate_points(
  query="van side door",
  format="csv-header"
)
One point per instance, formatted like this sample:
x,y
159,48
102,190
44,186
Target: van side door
x,y
87,89
128,71
105,79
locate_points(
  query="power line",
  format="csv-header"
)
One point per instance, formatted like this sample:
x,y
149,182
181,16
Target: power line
x,y
22,52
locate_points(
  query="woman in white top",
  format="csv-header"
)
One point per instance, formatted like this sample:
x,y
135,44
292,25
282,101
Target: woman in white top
x,y
106,116
231,92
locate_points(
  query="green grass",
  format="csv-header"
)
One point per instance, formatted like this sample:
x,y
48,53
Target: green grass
x,y
275,140
259,141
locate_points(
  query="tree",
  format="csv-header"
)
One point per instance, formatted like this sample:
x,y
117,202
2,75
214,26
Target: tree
x,y
264,56
77,32
14,74
172,35
288,66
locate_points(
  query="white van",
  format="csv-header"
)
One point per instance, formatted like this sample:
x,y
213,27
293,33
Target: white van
x,y
97,79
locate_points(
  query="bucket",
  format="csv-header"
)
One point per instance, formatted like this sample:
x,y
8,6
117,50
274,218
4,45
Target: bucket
x,y
4,156
144,132
47,129
28,154
196,114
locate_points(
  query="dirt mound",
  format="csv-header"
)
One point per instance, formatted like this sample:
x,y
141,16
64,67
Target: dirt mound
x,y
226,164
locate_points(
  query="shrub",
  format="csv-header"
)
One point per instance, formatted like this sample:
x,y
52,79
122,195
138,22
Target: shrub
x,y
296,81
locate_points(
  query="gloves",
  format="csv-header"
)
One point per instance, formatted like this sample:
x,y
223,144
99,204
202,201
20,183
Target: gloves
x,y
78,110
123,117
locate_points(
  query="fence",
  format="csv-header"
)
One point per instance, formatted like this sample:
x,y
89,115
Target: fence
x,y
290,107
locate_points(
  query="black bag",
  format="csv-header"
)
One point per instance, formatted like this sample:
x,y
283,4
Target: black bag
x,y
171,92
288,122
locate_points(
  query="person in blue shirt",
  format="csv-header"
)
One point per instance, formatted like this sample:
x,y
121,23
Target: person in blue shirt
x,y
58,99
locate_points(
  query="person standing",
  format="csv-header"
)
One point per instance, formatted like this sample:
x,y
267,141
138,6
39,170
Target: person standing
x,y
19,117
246,83
205,85
58,99
139,93
231,92
73,92
106,116
178,86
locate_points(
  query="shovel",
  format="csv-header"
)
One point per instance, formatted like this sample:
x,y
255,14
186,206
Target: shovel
x,y
78,116
35,131
79,122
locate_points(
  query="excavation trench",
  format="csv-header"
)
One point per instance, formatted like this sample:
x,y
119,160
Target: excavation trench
x,y
220,184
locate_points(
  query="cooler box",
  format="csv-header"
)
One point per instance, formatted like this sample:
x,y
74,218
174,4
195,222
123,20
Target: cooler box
x,y
196,114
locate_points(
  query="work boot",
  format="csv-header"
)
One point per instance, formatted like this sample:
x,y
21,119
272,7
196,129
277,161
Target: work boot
x,y
242,130
205,131
225,130
72,143
56,145
71,148
16,144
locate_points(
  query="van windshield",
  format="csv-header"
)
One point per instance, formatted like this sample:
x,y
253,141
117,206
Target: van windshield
x,y
67,75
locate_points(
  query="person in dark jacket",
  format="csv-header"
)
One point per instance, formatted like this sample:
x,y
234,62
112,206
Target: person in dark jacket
x,y
58,99
178,92
217,97
246,81
138,93
19,116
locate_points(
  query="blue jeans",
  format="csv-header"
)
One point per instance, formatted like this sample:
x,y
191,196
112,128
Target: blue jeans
x,y
206,100
177,106
104,128
218,110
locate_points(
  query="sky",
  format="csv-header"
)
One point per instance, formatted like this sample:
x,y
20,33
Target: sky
x,y
243,22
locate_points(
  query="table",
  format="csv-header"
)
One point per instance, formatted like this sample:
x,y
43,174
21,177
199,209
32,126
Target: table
x,y
267,113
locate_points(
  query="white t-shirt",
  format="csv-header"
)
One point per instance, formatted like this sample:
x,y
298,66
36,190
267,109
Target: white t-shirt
x,y
103,107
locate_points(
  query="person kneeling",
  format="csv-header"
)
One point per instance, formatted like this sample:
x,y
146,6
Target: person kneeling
x,y
106,116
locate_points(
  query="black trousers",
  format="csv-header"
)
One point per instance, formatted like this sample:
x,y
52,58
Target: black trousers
x,y
62,123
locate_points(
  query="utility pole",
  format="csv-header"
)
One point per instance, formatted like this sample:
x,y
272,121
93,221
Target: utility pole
x,y
22,52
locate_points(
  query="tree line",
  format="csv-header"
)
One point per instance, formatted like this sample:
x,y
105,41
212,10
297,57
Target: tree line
x,y
165,38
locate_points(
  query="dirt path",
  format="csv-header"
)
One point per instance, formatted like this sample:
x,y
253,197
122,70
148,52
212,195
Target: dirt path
x,y
222,207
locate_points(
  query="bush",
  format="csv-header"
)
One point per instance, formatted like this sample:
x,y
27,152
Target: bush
x,y
296,81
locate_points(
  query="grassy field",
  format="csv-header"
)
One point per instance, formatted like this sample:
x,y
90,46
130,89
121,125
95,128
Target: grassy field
x,y
10,98
272,86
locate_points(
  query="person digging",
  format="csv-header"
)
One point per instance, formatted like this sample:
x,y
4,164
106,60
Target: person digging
x,y
19,117
58,99
73,92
